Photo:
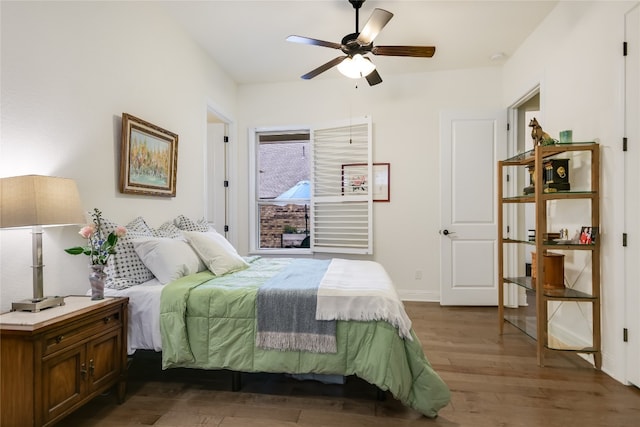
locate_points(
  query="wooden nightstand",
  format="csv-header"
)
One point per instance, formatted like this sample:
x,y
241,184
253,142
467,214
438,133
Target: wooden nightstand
x,y
54,361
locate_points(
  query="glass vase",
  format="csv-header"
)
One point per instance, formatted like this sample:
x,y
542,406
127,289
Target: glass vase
x,y
97,278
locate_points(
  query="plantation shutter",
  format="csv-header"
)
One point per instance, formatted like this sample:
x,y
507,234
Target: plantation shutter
x,y
341,199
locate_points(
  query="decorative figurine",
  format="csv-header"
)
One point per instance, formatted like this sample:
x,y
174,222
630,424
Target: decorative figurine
x,y
539,136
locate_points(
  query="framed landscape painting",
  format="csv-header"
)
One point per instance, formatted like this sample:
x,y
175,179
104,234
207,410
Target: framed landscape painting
x,y
148,158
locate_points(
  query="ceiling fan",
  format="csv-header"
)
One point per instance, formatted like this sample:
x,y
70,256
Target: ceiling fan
x,y
355,46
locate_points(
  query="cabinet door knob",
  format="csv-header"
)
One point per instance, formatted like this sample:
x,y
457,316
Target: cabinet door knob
x,y
91,367
106,320
83,370
59,338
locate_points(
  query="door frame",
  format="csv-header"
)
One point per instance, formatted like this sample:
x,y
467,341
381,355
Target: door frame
x,y
211,163
631,203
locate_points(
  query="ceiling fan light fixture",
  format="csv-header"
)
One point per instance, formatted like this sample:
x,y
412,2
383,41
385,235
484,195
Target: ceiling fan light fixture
x,y
356,67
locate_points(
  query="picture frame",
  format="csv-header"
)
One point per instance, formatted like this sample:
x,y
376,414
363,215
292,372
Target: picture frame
x,y
588,235
354,180
148,158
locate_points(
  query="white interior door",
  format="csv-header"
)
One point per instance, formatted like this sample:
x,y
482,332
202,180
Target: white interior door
x,y
632,193
471,143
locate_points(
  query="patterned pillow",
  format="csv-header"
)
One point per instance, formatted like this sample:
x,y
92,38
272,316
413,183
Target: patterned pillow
x,y
187,224
139,225
168,229
126,269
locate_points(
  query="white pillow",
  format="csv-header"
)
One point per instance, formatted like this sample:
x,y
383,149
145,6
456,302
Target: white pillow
x,y
168,259
218,254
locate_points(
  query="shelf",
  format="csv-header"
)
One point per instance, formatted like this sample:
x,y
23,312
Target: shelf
x,y
569,246
573,350
574,195
551,245
528,157
519,199
524,281
536,315
557,195
559,344
565,294
526,242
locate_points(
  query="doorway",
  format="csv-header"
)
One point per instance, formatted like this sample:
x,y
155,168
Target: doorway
x,y
217,172
520,217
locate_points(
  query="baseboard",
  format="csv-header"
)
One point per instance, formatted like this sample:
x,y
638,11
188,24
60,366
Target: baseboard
x,y
421,296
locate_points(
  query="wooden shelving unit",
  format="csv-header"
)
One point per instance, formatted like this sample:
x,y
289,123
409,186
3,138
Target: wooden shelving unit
x,y
533,317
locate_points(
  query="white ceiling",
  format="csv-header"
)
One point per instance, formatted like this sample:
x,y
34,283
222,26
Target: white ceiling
x,y
247,38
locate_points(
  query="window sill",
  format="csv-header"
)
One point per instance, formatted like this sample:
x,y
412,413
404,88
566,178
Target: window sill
x,y
283,251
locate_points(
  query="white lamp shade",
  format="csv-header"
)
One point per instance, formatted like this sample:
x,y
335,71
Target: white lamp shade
x,y
39,200
356,67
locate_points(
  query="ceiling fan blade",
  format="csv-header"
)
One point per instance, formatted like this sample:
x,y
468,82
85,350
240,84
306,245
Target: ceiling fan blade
x,y
416,51
314,42
323,68
374,25
373,78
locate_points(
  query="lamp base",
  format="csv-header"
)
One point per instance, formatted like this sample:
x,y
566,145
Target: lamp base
x,y
36,304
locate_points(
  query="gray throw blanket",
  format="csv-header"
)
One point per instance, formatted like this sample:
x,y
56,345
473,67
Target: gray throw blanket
x,y
286,310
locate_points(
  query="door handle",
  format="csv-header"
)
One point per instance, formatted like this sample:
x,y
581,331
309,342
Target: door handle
x,y
447,232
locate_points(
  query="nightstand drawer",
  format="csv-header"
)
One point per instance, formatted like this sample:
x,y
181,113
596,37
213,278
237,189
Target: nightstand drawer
x,y
91,326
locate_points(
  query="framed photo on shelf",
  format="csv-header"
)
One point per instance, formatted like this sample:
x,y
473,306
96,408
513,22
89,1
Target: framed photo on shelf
x,y
355,180
148,158
588,235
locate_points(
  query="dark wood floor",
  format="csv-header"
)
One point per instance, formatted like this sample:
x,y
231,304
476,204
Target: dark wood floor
x,y
494,380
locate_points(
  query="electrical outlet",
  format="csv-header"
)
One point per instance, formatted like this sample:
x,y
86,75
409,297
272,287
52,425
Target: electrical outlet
x,y
418,274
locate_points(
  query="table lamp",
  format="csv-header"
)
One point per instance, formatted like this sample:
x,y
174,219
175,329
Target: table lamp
x,y
37,201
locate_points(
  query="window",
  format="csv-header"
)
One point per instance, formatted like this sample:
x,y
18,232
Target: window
x,y
282,189
302,201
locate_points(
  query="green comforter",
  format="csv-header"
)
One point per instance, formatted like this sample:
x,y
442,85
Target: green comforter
x,y
209,322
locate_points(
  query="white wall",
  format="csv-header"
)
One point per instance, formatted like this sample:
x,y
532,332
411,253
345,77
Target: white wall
x,y
69,71
576,56
405,113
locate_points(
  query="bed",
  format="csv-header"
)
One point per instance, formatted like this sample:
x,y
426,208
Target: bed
x,y
207,320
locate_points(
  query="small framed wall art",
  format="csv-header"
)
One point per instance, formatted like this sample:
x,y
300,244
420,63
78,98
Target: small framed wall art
x,y
148,158
355,180
588,235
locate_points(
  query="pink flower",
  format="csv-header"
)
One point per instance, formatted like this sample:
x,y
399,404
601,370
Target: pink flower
x,y
120,231
358,180
87,231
